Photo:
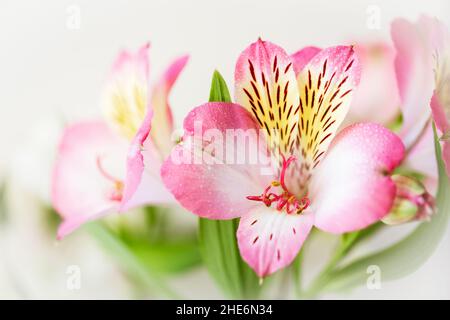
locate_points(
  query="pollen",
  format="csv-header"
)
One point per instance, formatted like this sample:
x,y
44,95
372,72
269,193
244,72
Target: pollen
x,y
125,109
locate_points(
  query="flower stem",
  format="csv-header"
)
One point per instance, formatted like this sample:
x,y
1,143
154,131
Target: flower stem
x,y
297,274
347,243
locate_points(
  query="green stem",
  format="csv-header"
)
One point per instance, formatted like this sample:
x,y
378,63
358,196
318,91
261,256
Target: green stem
x,y
297,274
348,242
320,282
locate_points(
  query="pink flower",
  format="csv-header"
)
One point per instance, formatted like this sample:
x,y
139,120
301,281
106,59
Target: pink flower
x,y
99,167
338,183
421,66
423,74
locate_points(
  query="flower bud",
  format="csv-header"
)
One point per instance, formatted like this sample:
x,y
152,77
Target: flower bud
x,y
412,201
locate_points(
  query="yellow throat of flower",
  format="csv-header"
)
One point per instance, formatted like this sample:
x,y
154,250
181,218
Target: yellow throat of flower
x,y
125,108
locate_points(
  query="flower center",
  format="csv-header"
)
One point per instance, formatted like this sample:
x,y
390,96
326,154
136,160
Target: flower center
x,y
117,193
284,199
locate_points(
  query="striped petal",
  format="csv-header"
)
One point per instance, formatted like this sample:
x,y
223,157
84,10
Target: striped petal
x,y
266,86
326,86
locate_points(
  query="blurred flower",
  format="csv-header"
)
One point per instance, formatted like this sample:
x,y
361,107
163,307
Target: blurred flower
x,y
89,178
440,102
412,201
423,74
377,98
338,185
414,69
419,49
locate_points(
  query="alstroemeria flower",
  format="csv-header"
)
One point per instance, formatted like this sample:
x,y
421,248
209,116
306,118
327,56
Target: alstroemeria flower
x,y
421,66
98,169
414,67
423,74
338,183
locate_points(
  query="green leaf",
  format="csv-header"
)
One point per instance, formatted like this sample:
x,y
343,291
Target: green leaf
x,y
218,244
407,255
347,243
219,90
166,256
296,269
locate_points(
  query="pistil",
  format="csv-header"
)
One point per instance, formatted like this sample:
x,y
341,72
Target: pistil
x,y
285,199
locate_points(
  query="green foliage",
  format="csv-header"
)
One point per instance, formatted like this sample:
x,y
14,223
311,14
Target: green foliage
x,y
219,90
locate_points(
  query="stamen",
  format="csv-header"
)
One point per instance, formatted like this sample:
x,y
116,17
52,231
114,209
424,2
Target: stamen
x,y
103,171
116,194
284,200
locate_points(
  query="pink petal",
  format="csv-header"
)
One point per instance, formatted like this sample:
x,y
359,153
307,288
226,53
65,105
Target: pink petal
x,y
265,85
439,115
143,184
440,102
439,41
377,98
352,188
162,114
69,225
80,192
270,240
415,78
198,172
302,57
134,63
446,156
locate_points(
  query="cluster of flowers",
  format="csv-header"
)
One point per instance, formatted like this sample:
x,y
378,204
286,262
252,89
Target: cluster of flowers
x,y
310,112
